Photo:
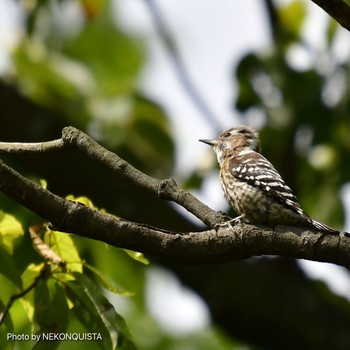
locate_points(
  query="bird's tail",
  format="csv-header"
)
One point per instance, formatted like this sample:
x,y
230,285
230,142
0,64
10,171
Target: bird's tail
x,y
322,227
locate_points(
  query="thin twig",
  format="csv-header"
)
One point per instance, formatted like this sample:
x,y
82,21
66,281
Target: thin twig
x,y
222,243
179,65
165,189
21,294
32,148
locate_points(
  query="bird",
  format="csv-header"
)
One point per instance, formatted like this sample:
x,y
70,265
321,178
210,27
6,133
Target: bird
x,y
253,187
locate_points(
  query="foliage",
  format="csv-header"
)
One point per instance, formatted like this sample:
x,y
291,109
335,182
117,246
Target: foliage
x,y
305,111
74,65
82,71
50,291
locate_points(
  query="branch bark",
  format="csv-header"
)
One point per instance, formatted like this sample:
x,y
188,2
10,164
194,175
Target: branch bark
x,y
221,243
338,9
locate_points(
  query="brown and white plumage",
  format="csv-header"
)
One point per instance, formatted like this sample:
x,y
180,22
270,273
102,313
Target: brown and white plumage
x,y
251,184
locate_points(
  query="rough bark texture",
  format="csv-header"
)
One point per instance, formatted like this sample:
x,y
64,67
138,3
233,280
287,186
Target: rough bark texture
x,y
220,243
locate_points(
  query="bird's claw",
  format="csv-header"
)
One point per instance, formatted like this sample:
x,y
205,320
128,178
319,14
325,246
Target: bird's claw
x,y
231,222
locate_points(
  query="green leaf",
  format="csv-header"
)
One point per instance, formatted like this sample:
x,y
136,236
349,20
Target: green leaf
x,y
28,277
5,329
63,245
102,48
331,31
292,18
97,315
47,79
43,183
108,284
83,200
248,67
137,256
51,311
8,268
150,137
10,229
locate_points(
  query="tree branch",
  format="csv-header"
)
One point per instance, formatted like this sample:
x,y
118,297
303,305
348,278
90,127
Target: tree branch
x,y
338,9
21,294
219,244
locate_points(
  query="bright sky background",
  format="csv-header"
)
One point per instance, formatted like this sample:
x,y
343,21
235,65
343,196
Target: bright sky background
x,y
210,44
211,40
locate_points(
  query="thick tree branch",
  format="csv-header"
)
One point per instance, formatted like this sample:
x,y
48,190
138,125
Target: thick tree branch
x,y
222,243
338,9
73,138
165,189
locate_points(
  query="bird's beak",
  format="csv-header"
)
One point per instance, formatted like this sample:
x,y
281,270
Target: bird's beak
x,y
210,142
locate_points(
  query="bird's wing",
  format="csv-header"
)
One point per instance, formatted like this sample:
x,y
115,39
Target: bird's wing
x,y
256,170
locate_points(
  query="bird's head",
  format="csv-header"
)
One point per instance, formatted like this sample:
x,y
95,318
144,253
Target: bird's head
x,y
234,141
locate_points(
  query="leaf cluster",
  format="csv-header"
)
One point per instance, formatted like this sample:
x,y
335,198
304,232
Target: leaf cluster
x,y
51,291
85,74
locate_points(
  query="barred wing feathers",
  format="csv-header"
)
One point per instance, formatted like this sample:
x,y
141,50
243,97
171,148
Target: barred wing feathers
x,y
256,170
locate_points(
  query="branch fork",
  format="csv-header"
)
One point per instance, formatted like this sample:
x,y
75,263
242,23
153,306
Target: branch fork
x,y
220,243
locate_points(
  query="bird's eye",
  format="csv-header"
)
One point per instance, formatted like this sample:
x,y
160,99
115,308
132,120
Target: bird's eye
x,y
226,134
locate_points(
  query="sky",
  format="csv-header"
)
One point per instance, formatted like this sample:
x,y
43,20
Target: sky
x,y
211,39
207,38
